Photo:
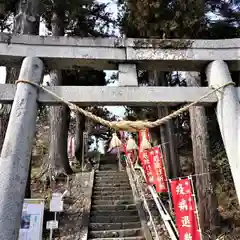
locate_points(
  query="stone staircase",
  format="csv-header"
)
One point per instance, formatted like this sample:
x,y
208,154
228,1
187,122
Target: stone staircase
x,y
108,162
114,215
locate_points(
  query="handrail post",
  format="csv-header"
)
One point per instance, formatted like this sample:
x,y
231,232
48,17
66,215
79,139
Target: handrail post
x,y
17,148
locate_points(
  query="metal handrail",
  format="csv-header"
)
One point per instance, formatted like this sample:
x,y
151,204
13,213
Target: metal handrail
x,y
141,194
170,226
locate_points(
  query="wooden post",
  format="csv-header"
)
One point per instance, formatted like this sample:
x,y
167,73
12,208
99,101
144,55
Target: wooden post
x,y
228,115
17,147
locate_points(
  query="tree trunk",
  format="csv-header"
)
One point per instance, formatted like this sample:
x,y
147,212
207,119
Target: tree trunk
x,y
59,124
26,21
4,117
11,77
80,127
207,202
166,130
164,140
59,118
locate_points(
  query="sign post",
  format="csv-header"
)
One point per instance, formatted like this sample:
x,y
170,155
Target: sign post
x,y
56,205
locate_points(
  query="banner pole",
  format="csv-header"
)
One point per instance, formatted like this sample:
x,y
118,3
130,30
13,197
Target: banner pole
x,y
196,206
168,186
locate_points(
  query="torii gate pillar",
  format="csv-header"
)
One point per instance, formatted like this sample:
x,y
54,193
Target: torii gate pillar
x,y
228,115
17,148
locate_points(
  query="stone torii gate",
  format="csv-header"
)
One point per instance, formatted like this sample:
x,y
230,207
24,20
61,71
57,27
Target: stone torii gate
x,y
126,55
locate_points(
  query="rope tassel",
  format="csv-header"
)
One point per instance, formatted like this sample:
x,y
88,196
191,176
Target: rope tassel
x,y
131,144
115,141
145,144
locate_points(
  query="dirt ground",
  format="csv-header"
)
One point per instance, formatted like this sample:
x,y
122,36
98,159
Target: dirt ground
x,y
73,222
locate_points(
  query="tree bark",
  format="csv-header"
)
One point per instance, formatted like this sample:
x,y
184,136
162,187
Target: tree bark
x,y
4,117
26,21
59,123
11,77
80,127
164,140
166,131
207,202
59,117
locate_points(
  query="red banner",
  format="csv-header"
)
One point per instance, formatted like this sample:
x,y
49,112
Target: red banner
x,y
141,133
156,162
145,162
184,207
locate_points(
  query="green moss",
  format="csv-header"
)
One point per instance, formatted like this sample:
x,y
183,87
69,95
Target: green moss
x,y
163,43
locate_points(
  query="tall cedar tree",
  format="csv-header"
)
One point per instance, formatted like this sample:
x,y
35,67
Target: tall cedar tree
x,y
26,21
74,18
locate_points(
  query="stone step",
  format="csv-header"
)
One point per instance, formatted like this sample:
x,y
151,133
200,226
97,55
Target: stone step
x,y
106,168
122,180
110,173
106,157
108,161
114,175
114,212
113,208
112,197
103,169
112,202
112,165
112,184
115,165
111,189
107,185
125,238
111,179
113,226
118,233
113,219
110,193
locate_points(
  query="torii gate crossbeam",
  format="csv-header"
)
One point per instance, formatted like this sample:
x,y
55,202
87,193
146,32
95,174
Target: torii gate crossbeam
x,y
107,53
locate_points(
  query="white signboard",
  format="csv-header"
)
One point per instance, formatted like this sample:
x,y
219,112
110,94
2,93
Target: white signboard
x,y
32,220
52,225
56,204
